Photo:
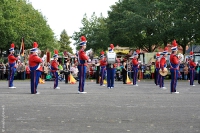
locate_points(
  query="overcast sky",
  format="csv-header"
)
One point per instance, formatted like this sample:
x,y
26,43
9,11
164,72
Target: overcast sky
x,y
67,14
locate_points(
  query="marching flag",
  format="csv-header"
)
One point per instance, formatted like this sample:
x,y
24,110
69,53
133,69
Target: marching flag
x,y
72,80
128,81
48,56
22,47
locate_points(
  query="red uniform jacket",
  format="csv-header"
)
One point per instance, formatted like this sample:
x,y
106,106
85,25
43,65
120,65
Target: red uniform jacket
x,y
162,62
192,64
54,66
82,57
174,59
35,60
12,58
157,63
135,62
103,62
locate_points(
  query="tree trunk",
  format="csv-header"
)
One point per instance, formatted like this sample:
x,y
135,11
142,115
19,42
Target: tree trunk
x,y
165,43
150,48
184,48
184,45
1,52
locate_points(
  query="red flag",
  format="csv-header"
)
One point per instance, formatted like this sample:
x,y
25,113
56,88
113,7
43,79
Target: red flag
x,y
22,47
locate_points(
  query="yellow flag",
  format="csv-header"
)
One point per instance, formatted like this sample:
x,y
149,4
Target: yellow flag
x,y
72,79
128,81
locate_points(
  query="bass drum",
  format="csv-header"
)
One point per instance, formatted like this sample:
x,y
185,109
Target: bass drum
x,y
111,57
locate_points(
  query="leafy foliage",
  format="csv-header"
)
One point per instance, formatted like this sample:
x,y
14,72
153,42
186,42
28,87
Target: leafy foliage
x,y
145,24
96,31
65,42
19,19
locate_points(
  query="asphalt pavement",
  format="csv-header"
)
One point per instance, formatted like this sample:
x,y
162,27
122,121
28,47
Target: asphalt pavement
x,y
125,108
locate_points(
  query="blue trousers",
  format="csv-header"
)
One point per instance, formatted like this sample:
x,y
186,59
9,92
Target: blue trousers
x,y
161,80
82,75
102,73
55,74
110,77
157,78
192,75
135,73
174,77
35,75
12,71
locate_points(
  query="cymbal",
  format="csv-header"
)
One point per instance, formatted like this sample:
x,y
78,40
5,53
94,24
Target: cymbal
x,y
164,72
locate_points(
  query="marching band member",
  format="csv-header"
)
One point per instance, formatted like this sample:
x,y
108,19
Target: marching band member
x,y
35,67
163,65
54,69
103,64
157,69
135,66
110,70
192,65
12,66
174,61
82,66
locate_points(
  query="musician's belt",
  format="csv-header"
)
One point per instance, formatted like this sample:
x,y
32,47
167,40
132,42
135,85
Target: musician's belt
x,y
82,63
174,68
192,68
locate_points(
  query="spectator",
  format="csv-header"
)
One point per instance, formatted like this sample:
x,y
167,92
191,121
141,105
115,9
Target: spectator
x,y
185,70
181,67
197,72
118,73
60,67
147,73
67,71
2,70
142,67
152,70
188,76
130,74
20,70
74,70
92,71
124,72
6,71
27,71
46,70
23,71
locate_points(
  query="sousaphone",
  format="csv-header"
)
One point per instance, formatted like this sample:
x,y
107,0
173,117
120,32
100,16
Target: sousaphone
x,y
164,72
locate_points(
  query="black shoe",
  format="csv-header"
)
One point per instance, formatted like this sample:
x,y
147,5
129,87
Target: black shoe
x,y
124,83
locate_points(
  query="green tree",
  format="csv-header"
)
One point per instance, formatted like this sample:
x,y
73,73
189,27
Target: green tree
x,y
145,24
19,19
96,31
185,19
65,42
136,23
